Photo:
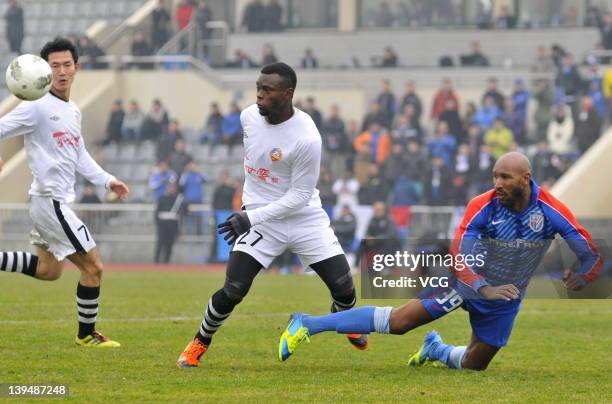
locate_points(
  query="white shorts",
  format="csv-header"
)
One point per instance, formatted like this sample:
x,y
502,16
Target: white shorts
x,y
307,234
60,227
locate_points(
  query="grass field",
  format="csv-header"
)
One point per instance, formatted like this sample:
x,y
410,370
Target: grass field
x,y
560,350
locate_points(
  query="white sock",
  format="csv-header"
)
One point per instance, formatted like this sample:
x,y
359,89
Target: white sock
x,y
381,319
456,356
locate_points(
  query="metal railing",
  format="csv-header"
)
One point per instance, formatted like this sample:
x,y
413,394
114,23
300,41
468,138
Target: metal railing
x,y
124,62
127,26
209,47
602,56
124,232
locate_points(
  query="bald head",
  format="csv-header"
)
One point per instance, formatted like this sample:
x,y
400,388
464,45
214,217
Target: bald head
x,y
511,178
514,162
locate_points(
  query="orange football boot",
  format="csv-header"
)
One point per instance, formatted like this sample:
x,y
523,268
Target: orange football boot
x,y
359,341
190,358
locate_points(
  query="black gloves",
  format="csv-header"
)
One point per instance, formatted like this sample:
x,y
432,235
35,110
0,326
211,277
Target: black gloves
x,y
235,225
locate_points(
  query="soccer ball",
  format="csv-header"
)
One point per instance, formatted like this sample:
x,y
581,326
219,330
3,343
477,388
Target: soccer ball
x,y
29,77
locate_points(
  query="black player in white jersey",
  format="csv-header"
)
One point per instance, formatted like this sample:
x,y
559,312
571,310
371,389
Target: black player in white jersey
x,y
56,152
281,208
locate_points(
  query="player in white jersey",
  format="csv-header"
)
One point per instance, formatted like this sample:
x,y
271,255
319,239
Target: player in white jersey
x,y
281,208
51,127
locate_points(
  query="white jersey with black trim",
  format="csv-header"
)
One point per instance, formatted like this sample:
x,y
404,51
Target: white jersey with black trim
x,y
281,165
55,148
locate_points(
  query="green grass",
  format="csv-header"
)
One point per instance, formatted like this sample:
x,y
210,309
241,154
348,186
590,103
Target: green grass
x,y
560,350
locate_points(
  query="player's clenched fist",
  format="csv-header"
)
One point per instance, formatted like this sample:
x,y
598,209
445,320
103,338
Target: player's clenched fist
x,y
234,226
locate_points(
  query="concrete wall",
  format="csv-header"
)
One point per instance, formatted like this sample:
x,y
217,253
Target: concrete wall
x,y
15,179
186,95
414,47
9,147
586,187
94,92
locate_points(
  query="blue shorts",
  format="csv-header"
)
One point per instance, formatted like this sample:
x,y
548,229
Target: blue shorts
x,y
491,320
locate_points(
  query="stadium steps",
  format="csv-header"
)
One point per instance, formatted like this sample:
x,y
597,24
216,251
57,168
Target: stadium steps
x,y
134,164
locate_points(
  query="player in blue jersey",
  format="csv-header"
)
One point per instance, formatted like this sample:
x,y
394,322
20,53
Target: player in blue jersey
x,y
514,223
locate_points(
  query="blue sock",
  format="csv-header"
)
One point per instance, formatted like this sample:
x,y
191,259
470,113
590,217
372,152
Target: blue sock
x,y
440,352
354,321
450,355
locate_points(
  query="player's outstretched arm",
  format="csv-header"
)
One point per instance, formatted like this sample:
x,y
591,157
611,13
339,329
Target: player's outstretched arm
x,y
577,238
92,171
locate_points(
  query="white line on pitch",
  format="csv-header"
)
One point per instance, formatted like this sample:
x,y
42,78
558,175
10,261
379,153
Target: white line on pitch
x,y
525,311
139,319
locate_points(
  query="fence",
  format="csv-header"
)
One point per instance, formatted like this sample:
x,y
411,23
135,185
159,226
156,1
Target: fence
x,y
123,232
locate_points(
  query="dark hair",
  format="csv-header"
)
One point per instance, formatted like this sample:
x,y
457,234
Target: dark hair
x,y
283,70
59,44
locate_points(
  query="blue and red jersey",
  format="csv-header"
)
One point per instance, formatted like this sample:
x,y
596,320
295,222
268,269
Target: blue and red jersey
x,y
513,243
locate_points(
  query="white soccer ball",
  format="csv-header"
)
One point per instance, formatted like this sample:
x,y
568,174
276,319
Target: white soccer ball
x,y
29,77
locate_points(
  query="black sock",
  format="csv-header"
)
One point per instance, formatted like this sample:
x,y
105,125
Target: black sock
x,y
18,261
219,308
87,305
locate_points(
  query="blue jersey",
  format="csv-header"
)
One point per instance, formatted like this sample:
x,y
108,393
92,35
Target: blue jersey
x,y
513,243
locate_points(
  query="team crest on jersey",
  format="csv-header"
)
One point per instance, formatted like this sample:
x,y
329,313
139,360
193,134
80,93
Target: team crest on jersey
x,y
276,154
536,222
55,118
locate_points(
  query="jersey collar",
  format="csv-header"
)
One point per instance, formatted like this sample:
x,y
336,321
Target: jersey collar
x,y
535,192
57,96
